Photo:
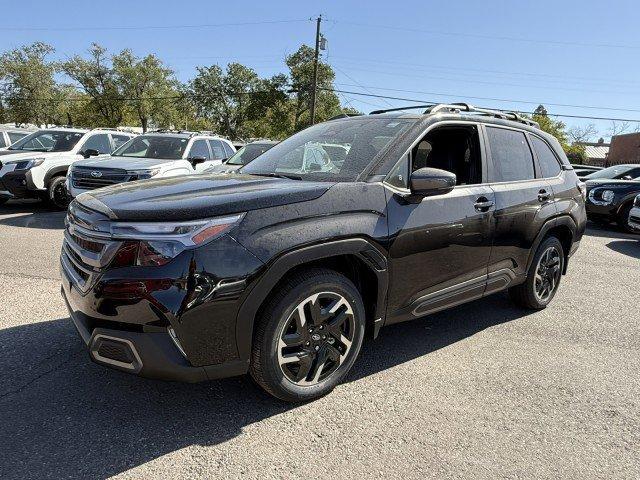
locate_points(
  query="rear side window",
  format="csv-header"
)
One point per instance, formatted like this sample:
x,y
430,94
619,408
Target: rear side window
x,y
217,149
119,140
15,136
2,142
546,158
227,149
98,142
511,156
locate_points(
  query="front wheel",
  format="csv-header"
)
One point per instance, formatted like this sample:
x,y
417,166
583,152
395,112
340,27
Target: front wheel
x,y
543,277
3,200
308,335
623,219
57,194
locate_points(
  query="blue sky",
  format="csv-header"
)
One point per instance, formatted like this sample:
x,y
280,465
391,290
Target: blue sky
x,y
490,53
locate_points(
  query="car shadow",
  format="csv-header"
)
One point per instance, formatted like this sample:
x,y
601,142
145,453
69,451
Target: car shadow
x,y
65,417
608,231
31,214
630,248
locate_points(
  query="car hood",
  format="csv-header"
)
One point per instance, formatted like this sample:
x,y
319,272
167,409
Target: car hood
x,y
126,163
222,168
607,182
190,197
14,156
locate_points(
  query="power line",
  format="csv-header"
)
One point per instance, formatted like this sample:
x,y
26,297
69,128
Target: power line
x,y
487,37
502,110
153,27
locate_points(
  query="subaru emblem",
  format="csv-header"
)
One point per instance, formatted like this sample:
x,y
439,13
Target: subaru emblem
x,y
96,174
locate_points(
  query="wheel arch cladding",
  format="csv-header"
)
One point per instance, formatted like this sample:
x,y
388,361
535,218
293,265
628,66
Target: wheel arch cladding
x,y
53,173
564,229
356,258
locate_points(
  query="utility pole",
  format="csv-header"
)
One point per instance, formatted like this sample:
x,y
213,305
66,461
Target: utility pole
x,y
315,72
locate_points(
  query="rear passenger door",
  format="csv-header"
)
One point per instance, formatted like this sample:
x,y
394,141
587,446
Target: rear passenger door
x,y
200,149
523,202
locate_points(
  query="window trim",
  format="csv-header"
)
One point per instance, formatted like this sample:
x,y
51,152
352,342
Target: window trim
x,y
490,173
443,123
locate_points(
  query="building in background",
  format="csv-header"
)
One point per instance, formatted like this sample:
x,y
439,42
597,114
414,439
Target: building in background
x,y
624,149
596,152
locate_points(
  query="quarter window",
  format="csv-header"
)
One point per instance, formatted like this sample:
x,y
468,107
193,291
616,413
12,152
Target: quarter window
x,y
2,142
548,162
217,149
227,149
511,155
119,140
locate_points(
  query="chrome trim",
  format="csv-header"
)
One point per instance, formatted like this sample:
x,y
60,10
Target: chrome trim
x,y
110,361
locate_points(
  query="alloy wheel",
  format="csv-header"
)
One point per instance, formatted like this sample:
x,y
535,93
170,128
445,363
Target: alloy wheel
x,y
548,272
316,338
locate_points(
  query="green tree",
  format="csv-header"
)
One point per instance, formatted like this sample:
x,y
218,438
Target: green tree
x,y
575,152
27,84
300,66
150,89
99,81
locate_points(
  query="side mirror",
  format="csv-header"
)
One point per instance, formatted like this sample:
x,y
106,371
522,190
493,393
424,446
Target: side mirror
x,y
224,160
90,152
431,181
197,160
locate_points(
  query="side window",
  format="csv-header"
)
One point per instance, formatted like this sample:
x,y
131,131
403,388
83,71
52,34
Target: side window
x,y
549,165
15,136
119,140
217,149
227,149
512,158
98,142
200,149
399,175
2,142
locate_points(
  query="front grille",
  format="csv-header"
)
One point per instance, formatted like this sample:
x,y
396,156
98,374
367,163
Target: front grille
x,y
634,219
85,252
92,178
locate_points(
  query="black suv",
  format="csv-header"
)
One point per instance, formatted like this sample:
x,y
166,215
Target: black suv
x,y
281,269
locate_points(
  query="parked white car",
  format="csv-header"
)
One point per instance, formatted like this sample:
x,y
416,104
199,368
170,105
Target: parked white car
x,y
10,135
634,215
152,155
36,166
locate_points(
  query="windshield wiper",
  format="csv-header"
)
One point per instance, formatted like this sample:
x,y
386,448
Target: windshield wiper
x,y
277,175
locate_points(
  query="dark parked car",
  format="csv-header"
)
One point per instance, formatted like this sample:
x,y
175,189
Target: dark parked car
x,y
246,154
612,200
280,270
584,170
617,172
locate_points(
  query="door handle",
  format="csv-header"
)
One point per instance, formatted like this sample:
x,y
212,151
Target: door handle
x,y
543,195
483,204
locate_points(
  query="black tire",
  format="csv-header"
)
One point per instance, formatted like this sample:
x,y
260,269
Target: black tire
x,y
527,294
57,194
267,367
623,219
3,200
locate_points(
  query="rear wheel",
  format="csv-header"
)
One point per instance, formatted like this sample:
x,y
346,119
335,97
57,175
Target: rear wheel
x,y
543,277
57,193
308,336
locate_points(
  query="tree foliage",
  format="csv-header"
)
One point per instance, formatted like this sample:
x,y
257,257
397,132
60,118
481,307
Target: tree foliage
x,y
574,151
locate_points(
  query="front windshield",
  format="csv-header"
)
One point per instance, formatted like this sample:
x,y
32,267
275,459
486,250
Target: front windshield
x,y
48,141
153,146
616,172
248,153
339,150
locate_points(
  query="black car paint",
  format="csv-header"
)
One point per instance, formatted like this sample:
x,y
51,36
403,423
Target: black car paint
x,y
418,255
624,191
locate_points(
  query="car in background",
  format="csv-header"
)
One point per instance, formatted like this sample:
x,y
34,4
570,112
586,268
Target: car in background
x,y
584,170
611,200
634,215
9,136
243,156
36,165
151,155
616,172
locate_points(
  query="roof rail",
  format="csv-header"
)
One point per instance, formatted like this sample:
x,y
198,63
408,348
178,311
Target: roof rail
x,y
465,107
116,129
345,115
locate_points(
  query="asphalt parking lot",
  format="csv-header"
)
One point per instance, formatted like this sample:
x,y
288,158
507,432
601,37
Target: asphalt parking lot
x,y
481,391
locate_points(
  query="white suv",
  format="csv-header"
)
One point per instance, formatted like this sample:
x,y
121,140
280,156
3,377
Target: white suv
x,y
36,165
10,135
158,154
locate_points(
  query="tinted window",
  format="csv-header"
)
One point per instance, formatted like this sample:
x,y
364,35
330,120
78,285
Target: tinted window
x,y
154,146
615,172
548,162
48,141
512,159
15,136
2,142
227,149
399,175
217,149
199,149
248,153
98,142
119,140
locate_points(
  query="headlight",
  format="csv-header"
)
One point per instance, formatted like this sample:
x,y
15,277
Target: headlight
x,y
607,196
149,244
601,197
144,174
27,164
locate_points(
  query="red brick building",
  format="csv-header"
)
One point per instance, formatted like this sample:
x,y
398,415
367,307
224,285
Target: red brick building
x,y
624,149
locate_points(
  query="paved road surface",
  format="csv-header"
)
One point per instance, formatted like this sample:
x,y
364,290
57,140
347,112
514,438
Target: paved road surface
x,y
482,391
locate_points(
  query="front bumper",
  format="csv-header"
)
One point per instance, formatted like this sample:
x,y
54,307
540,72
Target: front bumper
x,y
17,184
147,354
